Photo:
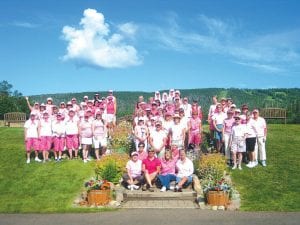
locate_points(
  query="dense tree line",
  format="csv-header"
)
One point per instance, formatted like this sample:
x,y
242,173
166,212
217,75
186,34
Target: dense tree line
x,y
11,100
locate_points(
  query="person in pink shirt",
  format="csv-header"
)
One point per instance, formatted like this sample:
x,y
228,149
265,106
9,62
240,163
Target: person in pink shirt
x,y
99,135
142,154
195,130
175,152
86,136
227,128
35,108
45,135
111,112
75,106
151,168
31,137
59,134
167,171
72,134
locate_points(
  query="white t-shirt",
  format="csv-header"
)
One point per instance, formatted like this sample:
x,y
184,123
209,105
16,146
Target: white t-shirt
x,y
260,126
72,126
45,128
158,137
32,128
176,131
58,129
185,168
219,117
135,168
250,126
238,131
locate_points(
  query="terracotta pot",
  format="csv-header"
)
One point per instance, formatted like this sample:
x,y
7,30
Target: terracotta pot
x,y
217,198
99,197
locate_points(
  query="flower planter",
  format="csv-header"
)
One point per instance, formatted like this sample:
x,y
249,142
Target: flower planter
x,y
218,198
98,197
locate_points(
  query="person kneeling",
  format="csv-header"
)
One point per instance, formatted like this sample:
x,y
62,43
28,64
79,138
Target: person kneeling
x,y
185,170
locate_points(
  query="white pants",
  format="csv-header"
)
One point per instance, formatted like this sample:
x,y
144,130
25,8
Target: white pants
x,y
227,147
260,147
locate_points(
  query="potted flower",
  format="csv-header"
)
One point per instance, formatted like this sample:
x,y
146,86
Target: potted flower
x,y
98,191
217,191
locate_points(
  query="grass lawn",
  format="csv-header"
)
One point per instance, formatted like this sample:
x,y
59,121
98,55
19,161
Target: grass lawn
x,y
275,187
52,187
37,187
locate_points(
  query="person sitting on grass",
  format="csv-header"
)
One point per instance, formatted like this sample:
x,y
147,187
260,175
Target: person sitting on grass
x,y
151,168
167,172
133,178
185,170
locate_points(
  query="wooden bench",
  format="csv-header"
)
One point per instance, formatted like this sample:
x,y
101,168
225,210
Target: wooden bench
x,y
273,113
14,117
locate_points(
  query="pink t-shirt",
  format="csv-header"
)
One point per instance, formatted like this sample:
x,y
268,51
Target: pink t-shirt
x,y
151,165
142,155
227,124
167,167
86,129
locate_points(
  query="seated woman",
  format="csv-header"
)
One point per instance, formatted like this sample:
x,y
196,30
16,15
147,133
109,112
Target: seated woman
x,y
185,168
167,171
133,177
151,168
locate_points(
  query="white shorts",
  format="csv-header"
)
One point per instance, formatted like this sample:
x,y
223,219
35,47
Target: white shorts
x,y
99,142
238,145
86,141
110,118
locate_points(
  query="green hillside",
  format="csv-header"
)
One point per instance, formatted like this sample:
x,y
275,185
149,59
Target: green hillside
x,y
285,98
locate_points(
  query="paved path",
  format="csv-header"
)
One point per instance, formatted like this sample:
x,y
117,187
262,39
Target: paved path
x,y
155,217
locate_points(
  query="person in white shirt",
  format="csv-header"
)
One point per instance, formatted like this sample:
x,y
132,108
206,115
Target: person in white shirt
x,y
141,134
31,137
59,136
250,140
45,135
100,134
261,134
218,119
185,170
72,133
133,178
177,132
237,142
158,140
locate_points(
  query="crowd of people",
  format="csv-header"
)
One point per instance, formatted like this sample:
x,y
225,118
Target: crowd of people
x,y
164,127
69,126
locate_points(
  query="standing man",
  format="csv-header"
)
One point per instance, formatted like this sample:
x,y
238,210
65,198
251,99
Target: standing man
x,y
260,127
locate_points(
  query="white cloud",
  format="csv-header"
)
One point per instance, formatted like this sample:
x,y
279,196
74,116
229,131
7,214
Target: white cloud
x,y
128,29
24,24
94,44
215,36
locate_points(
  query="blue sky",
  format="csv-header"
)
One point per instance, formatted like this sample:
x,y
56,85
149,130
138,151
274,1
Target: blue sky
x,y
54,46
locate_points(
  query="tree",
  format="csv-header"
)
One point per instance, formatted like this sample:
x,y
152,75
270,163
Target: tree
x,y
5,88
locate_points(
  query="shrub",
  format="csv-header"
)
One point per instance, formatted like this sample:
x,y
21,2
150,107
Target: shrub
x,y
211,166
121,137
111,167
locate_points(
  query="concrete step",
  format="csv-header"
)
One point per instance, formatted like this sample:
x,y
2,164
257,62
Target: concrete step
x,y
157,195
160,204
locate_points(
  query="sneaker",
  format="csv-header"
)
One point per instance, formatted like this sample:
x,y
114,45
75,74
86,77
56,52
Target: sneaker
x,y
163,189
151,189
130,187
254,164
249,165
176,188
136,187
28,161
240,167
144,188
37,159
172,188
85,161
263,163
234,167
